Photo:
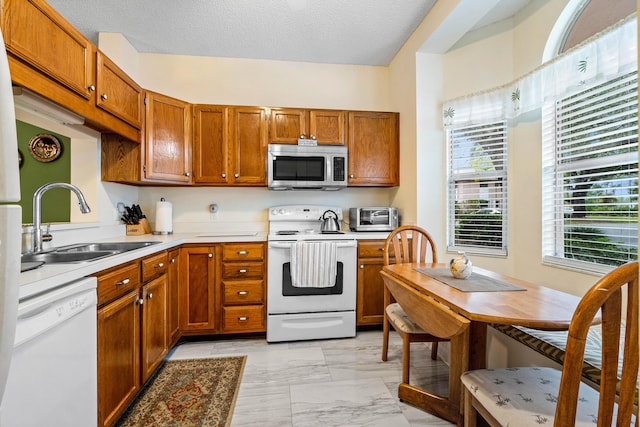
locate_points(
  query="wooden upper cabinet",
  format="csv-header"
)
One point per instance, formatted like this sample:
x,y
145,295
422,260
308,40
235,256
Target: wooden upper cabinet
x,y
167,139
327,126
248,147
117,93
289,124
210,144
374,149
37,34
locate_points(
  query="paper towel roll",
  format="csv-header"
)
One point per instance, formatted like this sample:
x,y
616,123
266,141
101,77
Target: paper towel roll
x,y
164,220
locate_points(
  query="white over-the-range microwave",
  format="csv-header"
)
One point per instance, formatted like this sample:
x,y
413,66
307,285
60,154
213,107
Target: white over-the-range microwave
x,y
304,167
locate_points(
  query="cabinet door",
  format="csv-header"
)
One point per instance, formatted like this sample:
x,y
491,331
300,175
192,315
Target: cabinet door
x,y
40,36
117,92
173,277
374,149
155,339
197,287
210,144
167,139
118,356
327,126
249,146
370,302
287,125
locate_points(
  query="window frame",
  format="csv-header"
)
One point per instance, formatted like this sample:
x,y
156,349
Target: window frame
x,y
455,176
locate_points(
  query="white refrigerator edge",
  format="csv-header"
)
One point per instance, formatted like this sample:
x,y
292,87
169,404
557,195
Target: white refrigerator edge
x,y
10,220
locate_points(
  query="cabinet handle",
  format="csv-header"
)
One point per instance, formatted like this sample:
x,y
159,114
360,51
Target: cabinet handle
x,y
210,255
242,252
313,137
123,282
160,265
140,301
237,175
242,270
224,175
173,261
361,266
381,249
103,96
243,319
91,88
187,174
243,293
150,295
351,176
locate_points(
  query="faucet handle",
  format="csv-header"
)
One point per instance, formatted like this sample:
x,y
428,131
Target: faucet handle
x,y
46,236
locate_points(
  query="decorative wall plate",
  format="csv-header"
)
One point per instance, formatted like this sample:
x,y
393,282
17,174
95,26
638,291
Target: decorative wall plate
x,y
45,147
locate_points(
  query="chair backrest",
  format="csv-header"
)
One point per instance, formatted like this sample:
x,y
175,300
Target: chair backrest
x,y
410,243
607,296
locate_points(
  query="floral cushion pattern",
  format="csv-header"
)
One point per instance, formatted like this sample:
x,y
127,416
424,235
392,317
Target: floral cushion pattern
x,y
397,315
527,396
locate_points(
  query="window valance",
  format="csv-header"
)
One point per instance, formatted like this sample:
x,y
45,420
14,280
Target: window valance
x,y
607,54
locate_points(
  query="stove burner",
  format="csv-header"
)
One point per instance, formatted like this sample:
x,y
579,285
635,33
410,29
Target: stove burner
x,y
287,232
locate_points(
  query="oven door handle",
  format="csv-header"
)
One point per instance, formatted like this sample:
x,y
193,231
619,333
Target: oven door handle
x,y
288,245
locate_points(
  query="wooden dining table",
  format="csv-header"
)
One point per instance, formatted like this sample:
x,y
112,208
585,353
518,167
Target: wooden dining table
x,y
463,317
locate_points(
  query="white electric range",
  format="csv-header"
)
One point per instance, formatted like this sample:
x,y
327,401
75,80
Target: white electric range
x,y
300,307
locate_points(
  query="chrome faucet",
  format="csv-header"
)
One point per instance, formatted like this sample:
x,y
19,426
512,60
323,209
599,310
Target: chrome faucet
x,y
37,209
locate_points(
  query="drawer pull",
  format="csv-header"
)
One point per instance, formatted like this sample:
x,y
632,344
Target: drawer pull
x,y
160,265
173,260
242,252
243,293
243,318
242,270
140,301
123,282
210,255
150,295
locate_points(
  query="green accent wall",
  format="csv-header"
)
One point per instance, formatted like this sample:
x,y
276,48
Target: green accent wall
x,y
34,173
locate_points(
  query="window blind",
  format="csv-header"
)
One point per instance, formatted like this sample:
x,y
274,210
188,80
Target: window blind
x,y
590,188
477,188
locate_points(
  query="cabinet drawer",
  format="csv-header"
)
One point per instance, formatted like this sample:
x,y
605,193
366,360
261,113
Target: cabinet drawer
x,y
242,251
154,265
371,248
117,282
240,270
242,292
243,319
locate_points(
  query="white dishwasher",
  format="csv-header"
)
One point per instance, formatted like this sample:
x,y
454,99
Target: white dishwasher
x,y
53,373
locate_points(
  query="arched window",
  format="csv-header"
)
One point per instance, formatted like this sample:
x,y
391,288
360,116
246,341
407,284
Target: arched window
x,y
590,150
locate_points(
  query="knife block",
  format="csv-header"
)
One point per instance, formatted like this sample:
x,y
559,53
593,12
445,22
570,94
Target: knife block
x,y
139,229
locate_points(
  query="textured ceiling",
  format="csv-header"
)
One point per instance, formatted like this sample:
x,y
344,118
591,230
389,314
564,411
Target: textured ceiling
x,y
363,32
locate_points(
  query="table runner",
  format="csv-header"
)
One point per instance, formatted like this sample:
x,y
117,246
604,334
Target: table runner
x,y
474,283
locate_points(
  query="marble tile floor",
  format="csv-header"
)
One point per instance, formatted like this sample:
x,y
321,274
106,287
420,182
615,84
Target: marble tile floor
x,y
338,382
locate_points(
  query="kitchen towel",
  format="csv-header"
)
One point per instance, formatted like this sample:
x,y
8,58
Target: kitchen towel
x,y
164,220
314,264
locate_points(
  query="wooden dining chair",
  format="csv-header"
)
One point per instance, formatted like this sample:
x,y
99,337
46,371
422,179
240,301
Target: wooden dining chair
x,y
533,396
407,243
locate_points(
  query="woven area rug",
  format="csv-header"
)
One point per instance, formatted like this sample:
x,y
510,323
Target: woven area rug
x,y
188,393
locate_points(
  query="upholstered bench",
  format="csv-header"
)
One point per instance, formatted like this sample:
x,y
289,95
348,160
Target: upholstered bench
x,y
552,345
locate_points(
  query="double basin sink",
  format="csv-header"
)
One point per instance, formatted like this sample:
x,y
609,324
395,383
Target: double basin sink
x,y
83,252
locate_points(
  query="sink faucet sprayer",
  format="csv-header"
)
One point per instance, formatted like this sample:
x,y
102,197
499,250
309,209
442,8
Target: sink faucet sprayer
x,y
37,209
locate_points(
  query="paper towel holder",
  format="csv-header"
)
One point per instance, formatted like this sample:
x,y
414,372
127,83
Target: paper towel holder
x,y
163,232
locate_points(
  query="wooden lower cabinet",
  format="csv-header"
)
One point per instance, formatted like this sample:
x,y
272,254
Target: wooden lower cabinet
x,y
118,356
132,331
173,286
370,300
197,289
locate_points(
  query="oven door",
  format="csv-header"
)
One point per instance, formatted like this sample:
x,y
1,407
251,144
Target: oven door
x,y
284,298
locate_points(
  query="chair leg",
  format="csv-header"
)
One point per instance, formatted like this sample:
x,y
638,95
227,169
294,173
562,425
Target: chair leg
x,y
385,338
434,350
406,353
470,414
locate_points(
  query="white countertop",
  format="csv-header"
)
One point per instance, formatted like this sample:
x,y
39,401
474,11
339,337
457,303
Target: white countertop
x,y
50,276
